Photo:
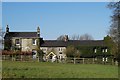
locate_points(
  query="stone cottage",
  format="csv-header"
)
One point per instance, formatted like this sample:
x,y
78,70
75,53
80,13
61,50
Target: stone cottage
x,y
28,41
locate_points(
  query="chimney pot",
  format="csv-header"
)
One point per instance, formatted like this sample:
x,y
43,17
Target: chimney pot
x,y
66,38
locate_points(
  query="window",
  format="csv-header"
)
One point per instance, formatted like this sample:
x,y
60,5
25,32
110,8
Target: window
x,y
44,50
34,41
106,59
34,52
60,49
95,50
103,50
106,50
17,42
60,53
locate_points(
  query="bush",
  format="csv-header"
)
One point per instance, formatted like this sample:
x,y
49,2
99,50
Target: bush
x,y
10,52
5,52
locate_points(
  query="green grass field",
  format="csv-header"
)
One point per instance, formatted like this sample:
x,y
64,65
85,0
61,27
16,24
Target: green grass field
x,y
15,69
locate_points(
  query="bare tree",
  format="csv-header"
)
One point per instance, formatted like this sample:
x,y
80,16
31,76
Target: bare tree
x,y
1,38
63,37
82,37
60,37
75,37
1,34
86,37
72,52
114,31
115,18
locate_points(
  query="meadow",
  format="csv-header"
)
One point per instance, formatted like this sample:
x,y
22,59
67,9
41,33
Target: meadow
x,y
17,69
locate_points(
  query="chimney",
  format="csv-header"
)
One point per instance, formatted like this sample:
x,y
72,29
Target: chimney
x,y
38,31
66,38
7,29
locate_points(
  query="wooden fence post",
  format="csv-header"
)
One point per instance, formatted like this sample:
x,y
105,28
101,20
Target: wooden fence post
x,y
4,57
112,62
21,57
93,61
74,60
83,61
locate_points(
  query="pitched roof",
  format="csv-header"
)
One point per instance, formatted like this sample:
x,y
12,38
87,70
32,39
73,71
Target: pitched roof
x,y
60,43
21,34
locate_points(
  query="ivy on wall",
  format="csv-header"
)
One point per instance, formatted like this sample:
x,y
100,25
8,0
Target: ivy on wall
x,y
89,51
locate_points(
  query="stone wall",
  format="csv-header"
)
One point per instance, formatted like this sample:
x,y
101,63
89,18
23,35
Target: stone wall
x,y
25,44
58,51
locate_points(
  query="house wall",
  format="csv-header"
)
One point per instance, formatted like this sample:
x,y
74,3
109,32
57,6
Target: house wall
x,y
13,43
56,50
25,44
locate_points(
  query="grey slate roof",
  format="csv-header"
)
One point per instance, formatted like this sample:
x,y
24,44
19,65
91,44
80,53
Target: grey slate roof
x,y
60,43
21,34
56,43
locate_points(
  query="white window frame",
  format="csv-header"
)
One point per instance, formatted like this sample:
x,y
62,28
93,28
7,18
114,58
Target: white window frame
x,y
103,50
44,49
35,41
18,41
106,59
60,49
106,50
95,50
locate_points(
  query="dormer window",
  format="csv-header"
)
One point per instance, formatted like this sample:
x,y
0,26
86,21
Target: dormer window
x,y
17,42
34,41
